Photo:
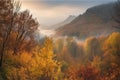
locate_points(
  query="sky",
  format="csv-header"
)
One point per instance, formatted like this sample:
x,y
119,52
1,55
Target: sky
x,y
50,12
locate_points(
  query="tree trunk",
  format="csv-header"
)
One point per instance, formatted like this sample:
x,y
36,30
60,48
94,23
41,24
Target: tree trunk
x,y
1,60
2,54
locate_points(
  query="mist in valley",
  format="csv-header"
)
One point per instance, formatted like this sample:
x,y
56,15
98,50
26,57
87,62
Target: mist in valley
x,y
59,40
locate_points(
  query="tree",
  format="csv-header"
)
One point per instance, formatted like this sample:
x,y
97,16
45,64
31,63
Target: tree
x,y
58,45
13,22
72,46
91,47
84,72
111,64
49,68
39,64
24,29
6,23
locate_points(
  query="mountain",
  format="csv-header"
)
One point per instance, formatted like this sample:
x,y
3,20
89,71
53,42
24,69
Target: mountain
x,y
42,26
66,21
94,22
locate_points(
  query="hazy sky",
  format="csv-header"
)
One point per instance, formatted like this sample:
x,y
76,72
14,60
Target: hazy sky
x,y
49,12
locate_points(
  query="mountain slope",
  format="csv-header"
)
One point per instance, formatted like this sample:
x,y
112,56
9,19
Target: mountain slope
x,y
66,21
95,21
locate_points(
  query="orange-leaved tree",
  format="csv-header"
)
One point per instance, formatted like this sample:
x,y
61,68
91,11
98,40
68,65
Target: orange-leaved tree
x,y
16,27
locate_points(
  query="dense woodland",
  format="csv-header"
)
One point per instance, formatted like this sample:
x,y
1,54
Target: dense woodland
x,y
22,57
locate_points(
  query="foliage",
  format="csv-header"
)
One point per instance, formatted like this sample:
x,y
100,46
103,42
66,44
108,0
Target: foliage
x,y
17,28
40,64
83,73
111,64
95,59
91,47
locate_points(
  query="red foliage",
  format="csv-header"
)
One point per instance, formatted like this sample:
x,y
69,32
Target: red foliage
x,y
83,73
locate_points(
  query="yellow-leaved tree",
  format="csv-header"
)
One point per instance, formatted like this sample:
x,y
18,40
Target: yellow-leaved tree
x,y
112,56
47,68
40,64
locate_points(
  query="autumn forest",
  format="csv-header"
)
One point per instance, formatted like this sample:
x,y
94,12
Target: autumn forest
x,y
24,56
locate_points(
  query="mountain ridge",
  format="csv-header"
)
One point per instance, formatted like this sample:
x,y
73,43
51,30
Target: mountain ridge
x,y
95,21
66,21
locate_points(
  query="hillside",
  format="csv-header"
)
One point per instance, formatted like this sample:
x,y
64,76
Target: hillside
x,y
95,21
66,21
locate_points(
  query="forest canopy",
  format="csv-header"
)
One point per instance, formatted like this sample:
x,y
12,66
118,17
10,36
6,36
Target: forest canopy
x,y
22,57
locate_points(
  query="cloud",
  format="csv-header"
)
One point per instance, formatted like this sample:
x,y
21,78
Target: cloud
x,y
69,2
50,12
54,3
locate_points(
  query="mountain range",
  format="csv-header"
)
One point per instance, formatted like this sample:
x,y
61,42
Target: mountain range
x,y
95,21
69,19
